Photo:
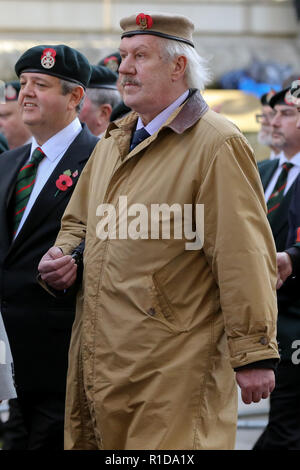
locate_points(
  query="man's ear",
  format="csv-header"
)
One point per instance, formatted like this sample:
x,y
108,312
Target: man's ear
x,y
75,96
106,110
179,68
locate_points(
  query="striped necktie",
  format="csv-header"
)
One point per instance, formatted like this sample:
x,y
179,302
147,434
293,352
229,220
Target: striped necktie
x,y
138,137
277,195
25,183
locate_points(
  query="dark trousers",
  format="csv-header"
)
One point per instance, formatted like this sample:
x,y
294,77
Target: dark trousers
x,y
36,423
283,429
15,435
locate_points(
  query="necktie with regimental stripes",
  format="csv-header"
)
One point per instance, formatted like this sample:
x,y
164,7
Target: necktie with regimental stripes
x,y
278,191
25,183
138,137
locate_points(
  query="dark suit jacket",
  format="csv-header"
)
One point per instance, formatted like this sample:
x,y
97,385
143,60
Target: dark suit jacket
x,y
288,327
37,324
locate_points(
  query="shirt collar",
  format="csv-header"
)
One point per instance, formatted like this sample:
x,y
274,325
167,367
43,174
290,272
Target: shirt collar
x,y
58,143
295,160
157,122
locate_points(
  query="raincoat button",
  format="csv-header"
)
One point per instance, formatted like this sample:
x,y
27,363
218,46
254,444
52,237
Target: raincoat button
x,y
263,340
151,311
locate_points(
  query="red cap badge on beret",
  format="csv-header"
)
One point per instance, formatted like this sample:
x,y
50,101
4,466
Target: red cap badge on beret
x,y
112,63
48,58
144,21
270,95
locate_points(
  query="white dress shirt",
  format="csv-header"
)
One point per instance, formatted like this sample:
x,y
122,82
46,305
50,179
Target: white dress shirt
x,y
54,150
292,174
162,117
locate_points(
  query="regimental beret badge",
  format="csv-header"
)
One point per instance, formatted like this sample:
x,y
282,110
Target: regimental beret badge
x,y
48,58
10,93
270,95
295,90
112,63
292,96
144,21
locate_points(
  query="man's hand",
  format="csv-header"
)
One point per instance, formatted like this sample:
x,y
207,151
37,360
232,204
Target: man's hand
x,y
255,384
284,267
57,269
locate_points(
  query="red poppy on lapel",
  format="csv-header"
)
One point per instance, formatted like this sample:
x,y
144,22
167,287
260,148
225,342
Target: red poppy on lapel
x,y
65,181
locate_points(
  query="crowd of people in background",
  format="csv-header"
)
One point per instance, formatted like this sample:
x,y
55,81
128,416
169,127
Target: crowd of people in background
x,y
138,343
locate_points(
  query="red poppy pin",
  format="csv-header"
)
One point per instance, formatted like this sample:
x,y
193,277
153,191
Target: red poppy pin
x,y
65,181
144,21
48,58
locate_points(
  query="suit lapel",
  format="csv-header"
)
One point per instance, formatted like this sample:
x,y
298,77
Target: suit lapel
x,y
266,171
281,218
50,196
11,167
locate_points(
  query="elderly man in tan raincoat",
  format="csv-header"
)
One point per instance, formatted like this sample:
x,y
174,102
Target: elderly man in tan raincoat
x,y
166,326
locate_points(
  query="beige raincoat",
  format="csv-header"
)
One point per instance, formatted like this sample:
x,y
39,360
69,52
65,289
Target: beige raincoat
x,y
159,328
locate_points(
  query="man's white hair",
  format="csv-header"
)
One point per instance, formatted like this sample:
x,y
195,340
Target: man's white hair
x,y
197,73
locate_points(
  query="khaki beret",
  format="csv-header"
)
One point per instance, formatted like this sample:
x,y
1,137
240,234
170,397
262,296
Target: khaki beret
x,y
176,27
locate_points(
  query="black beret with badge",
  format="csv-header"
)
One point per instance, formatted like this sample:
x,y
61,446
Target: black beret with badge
x,y
112,61
265,98
282,98
103,77
59,61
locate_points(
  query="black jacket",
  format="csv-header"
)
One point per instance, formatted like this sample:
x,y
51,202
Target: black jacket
x,y
288,299
37,324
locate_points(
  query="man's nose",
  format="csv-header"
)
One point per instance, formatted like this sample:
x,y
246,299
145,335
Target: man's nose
x,y
275,121
27,89
126,66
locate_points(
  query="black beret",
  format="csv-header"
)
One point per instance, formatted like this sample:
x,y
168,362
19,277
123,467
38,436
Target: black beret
x,y
60,61
281,98
3,143
12,90
112,61
265,98
103,77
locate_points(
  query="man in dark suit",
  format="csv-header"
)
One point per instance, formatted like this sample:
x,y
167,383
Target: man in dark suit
x,y
288,261
278,178
36,182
